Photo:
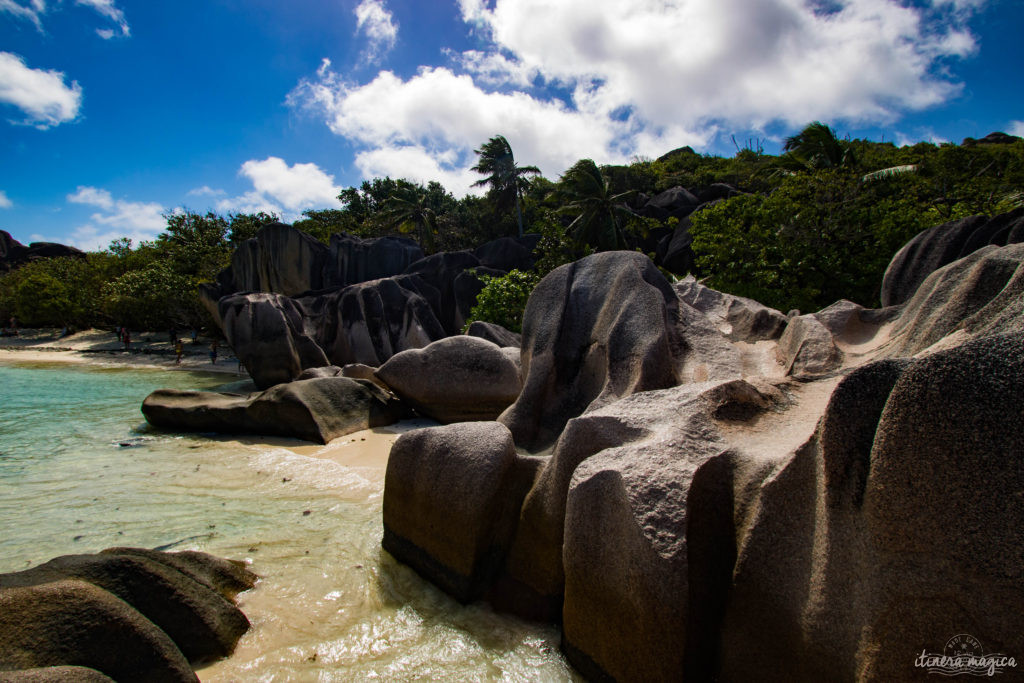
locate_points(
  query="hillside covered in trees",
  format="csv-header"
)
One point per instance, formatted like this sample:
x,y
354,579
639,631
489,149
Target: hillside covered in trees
x,y
803,229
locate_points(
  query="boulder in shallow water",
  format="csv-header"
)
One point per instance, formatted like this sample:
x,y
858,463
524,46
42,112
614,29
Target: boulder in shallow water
x,y
126,615
450,502
457,379
319,409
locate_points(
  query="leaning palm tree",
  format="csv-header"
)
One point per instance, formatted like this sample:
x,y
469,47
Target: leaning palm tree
x,y
505,179
410,213
598,212
817,146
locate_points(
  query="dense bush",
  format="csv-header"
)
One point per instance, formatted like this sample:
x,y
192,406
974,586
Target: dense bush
x,y
503,299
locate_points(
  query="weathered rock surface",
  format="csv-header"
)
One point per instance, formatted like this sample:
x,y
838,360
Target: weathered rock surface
x,y
602,328
494,333
121,614
319,409
675,202
281,260
371,321
457,379
505,254
674,251
450,500
935,247
442,272
981,294
354,259
267,332
13,253
738,318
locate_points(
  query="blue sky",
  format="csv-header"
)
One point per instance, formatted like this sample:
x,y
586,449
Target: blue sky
x,y
116,112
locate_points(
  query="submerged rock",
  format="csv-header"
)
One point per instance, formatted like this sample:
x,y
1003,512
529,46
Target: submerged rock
x,y
123,614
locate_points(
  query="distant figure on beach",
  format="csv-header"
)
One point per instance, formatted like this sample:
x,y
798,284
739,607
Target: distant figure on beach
x,y
179,349
213,352
127,338
173,335
195,336
12,328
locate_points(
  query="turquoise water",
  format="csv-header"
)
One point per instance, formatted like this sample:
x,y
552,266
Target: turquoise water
x,y
80,471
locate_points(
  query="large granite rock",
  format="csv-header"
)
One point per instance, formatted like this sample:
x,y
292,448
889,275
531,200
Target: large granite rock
x,y
13,253
602,328
354,259
267,332
457,379
738,318
935,247
450,499
126,614
280,259
371,321
441,271
494,333
675,202
981,294
505,254
318,409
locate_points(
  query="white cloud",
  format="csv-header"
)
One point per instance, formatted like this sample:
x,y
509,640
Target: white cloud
x,y
108,9
139,221
30,12
92,196
35,9
42,95
5,202
283,189
205,191
1017,128
639,77
377,23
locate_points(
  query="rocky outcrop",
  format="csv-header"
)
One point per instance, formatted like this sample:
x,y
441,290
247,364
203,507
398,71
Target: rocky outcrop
x,y
443,271
13,253
354,259
505,254
127,614
600,329
458,379
268,334
371,321
738,318
676,202
938,246
318,409
451,502
280,259
494,333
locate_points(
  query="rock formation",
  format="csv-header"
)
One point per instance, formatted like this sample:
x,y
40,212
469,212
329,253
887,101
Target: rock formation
x,y
13,253
458,379
317,409
734,495
122,614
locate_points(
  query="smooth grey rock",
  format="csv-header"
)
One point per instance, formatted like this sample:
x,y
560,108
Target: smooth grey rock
x,y
280,259
494,333
457,379
354,259
738,318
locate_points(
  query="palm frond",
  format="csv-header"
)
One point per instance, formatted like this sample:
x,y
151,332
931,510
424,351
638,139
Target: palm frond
x,y
892,171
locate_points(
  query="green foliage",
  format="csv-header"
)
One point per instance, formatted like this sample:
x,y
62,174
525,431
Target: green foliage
x,y
599,214
503,299
52,292
154,298
506,180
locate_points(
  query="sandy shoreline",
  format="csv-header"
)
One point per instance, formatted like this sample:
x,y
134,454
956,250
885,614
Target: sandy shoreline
x,y
101,348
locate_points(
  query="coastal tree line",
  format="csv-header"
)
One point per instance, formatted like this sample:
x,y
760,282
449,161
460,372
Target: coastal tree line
x,y
816,223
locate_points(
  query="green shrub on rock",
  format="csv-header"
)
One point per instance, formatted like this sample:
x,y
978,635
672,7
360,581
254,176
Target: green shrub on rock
x,y
503,299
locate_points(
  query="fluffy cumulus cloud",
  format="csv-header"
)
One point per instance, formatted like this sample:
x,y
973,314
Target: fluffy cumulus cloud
x,y
282,189
5,202
617,78
33,11
42,96
1016,128
116,218
378,25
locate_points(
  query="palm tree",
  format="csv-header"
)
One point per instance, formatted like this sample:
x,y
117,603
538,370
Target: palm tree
x,y
817,146
587,194
505,179
411,214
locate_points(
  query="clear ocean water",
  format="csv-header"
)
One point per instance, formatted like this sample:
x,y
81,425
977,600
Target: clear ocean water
x,y
80,471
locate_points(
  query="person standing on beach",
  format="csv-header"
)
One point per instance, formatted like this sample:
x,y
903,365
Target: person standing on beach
x,y
127,340
213,352
179,349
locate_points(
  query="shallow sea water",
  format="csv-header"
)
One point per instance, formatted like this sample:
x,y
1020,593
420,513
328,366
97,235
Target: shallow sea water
x,y
80,471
